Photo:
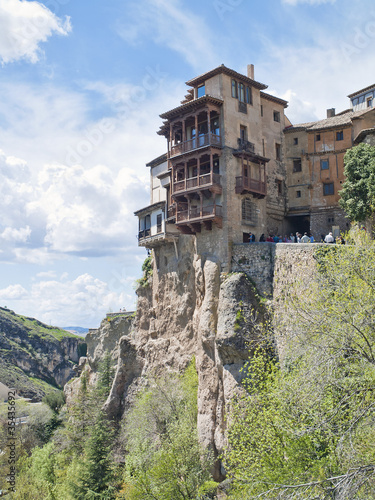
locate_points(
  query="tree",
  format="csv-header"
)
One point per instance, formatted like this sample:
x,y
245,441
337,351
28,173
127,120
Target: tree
x,y
358,190
305,429
164,460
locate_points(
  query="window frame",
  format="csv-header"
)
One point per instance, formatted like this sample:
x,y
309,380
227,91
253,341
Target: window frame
x,y
295,160
276,116
324,162
339,135
327,188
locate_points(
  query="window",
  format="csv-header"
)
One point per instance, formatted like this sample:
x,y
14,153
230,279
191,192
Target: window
x,y
201,91
241,92
279,185
215,128
276,116
278,151
261,110
317,137
297,165
295,141
328,189
331,220
369,102
249,95
324,164
159,219
298,194
339,135
249,213
234,89
243,133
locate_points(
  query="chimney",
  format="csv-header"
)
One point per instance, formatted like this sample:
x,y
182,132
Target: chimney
x,y
331,112
250,71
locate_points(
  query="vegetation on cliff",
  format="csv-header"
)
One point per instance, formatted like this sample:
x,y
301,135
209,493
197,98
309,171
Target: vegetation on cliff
x,y
306,429
35,358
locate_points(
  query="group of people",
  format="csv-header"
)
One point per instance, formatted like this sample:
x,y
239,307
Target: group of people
x,y
297,238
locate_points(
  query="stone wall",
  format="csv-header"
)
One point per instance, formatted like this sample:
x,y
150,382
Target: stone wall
x,y
257,261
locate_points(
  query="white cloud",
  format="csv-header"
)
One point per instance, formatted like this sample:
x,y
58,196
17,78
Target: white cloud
x,y
13,292
83,301
24,26
16,235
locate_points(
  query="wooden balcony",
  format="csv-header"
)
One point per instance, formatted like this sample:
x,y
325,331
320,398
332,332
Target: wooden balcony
x,y
249,185
199,214
196,143
209,181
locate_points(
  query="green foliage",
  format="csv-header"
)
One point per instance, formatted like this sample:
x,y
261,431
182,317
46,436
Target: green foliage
x,y
55,400
164,460
147,272
299,431
358,190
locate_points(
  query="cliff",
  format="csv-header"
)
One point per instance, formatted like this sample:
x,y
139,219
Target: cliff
x,y
34,357
189,308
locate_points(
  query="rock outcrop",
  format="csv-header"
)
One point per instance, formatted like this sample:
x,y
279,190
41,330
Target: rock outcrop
x,y
187,309
32,350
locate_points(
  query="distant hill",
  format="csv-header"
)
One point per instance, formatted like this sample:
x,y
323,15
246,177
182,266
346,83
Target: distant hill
x,y
77,330
36,358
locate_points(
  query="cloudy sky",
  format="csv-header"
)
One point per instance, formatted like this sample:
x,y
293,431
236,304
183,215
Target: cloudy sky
x,y
82,84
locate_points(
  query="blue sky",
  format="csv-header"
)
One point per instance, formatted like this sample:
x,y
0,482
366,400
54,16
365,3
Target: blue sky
x,y
82,85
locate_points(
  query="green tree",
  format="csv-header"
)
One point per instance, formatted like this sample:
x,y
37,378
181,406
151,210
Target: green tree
x,y
164,460
299,431
358,190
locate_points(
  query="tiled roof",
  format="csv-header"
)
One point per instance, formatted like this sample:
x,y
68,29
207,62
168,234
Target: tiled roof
x,y
230,72
371,87
157,161
191,105
343,119
273,98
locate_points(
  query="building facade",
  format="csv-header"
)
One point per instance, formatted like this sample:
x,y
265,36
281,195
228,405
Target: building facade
x,y
235,166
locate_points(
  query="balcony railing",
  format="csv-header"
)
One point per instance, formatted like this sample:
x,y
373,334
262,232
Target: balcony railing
x,y
197,142
195,214
248,184
145,233
204,180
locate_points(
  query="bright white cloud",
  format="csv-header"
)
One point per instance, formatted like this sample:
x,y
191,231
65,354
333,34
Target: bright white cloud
x,y
24,26
16,235
84,300
13,292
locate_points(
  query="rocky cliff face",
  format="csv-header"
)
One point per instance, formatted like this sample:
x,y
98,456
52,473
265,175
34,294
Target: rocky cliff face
x,y
31,350
188,309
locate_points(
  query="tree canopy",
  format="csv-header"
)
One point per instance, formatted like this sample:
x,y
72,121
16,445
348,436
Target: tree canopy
x,y
358,190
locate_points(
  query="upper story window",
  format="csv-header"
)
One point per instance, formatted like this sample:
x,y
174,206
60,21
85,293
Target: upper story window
x,y
339,135
278,151
249,213
276,116
297,165
369,102
328,189
243,133
201,91
242,92
234,89
295,141
261,110
324,165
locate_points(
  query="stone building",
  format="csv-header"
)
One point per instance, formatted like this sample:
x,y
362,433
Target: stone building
x,y
314,158
236,166
223,176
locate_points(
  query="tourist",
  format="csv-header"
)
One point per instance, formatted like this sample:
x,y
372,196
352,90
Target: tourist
x,y
329,238
292,238
305,239
262,238
312,239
